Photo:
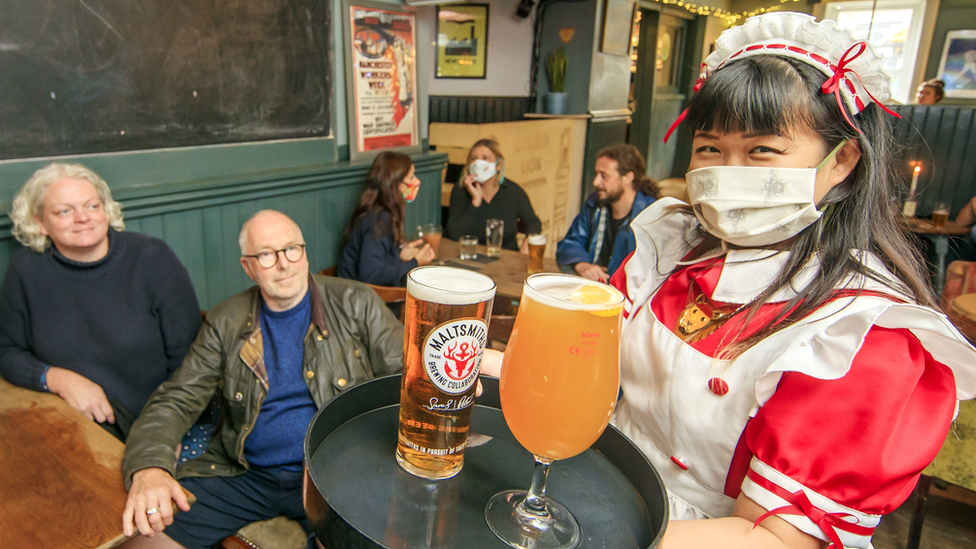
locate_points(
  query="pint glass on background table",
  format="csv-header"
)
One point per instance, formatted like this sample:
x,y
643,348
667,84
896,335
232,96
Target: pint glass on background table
x,y
445,332
940,213
469,247
432,236
537,249
494,236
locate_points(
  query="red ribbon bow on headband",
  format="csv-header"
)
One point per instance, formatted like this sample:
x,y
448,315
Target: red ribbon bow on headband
x,y
833,84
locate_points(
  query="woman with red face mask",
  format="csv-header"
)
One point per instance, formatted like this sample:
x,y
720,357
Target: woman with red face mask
x,y
375,249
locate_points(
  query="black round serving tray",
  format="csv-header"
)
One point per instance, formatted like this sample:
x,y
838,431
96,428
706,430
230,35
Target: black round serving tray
x,y
356,496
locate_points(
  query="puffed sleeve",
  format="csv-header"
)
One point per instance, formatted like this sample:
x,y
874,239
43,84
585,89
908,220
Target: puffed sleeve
x,y
831,456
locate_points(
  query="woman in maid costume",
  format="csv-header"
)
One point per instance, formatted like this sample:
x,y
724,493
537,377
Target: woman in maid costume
x,y
783,364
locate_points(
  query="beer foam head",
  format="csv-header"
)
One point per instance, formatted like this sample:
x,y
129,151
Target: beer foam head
x,y
449,285
572,292
537,239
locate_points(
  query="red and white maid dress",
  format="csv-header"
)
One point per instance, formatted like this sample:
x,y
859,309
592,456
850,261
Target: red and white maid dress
x,y
827,422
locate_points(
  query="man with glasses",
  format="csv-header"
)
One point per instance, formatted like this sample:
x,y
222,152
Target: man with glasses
x,y
276,353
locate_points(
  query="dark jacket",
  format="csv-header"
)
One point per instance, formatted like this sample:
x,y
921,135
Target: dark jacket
x,y
585,236
353,337
371,254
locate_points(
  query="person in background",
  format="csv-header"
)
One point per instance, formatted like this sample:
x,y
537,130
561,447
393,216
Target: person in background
x,y
930,92
600,237
93,314
375,250
484,193
967,215
275,354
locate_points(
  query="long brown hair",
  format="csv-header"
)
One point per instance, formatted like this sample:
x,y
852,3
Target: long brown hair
x,y
770,95
382,193
629,160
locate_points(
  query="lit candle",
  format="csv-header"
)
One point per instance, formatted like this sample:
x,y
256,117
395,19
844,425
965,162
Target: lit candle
x,y
911,191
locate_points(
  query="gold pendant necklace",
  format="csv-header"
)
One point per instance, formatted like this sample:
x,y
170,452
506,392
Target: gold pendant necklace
x,y
699,319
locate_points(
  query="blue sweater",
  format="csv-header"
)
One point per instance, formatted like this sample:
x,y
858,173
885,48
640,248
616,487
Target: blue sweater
x,y
371,255
585,236
279,432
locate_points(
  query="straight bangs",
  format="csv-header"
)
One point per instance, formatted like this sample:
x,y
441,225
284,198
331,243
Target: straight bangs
x,y
762,95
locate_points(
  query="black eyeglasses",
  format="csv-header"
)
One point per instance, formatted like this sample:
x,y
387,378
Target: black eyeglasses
x,y
269,258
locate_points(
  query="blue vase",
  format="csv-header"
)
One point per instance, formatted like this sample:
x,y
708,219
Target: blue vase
x,y
556,102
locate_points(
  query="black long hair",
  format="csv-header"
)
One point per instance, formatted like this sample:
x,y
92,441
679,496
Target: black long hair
x,y
771,95
383,194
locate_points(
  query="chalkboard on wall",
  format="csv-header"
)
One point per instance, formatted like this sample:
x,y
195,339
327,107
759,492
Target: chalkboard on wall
x,y
91,76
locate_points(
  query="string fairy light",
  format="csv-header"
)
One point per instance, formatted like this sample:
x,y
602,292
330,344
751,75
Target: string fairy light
x,y
730,18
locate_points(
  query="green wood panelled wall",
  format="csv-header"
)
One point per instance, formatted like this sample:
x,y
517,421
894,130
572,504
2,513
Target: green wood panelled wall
x,y
200,218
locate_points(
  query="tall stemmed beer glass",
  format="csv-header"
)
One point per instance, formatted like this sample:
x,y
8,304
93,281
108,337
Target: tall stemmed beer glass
x,y
558,387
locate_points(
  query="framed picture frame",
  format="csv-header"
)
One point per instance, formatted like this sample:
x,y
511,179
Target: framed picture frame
x,y
381,78
958,66
618,25
462,41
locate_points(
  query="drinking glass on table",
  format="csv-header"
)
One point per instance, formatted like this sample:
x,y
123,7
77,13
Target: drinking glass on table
x,y
432,234
940,213
537,249
445,333
469,247
494,229
558,387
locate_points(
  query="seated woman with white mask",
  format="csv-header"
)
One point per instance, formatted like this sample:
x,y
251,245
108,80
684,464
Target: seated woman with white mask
x,y
484,193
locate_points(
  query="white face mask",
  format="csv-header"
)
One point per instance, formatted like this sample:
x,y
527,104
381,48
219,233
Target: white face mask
x,y
482,170
755,206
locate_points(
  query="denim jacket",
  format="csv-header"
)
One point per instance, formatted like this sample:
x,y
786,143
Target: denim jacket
x,y
585,236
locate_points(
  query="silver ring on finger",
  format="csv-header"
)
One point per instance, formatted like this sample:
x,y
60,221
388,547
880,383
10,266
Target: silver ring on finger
x,y
152,510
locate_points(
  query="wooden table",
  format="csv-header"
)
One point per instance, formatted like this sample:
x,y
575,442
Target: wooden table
x,y
509,272
60,477
939,236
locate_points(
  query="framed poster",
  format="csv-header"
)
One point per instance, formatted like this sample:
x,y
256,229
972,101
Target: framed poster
x,y
618,22
462,41
381,78
958,65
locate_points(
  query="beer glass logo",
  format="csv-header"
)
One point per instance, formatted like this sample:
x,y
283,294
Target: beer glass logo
x,y
452,354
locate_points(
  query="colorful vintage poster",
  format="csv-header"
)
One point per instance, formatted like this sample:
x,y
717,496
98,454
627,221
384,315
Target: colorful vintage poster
x,y
384,79
462,41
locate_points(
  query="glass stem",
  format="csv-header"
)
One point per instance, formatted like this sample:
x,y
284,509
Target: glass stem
x,y
533,507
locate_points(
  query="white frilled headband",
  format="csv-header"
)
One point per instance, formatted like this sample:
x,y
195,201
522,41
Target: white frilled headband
x,y
854,68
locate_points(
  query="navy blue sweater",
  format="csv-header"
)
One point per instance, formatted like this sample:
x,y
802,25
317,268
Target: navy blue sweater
x,y
371,255
125,322
276,440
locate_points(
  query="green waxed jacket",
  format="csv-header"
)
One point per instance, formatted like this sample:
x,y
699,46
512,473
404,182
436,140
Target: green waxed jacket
x,y
353,337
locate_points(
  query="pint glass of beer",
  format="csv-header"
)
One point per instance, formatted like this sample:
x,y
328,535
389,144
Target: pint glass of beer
x,y
445,333
537,249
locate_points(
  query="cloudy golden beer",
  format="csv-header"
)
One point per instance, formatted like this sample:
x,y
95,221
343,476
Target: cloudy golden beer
x,y
537,249
445,333
561,376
